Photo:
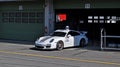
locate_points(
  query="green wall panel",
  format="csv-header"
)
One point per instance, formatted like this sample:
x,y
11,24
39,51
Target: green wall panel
x,y
21,31
37,5
68,4
29,32
105,4
78,4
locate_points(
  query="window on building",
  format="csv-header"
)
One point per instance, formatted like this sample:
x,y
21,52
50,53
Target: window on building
x,y
22,17
102,19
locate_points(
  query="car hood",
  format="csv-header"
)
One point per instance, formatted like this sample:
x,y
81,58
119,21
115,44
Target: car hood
x,y
47,39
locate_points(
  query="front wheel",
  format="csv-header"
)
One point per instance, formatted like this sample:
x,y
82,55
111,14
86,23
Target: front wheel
x,y
60,45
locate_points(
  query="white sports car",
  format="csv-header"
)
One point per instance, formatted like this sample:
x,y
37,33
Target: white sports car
x,y
61,39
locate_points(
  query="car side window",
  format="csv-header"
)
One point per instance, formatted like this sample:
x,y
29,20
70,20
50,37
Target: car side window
x,y
72,33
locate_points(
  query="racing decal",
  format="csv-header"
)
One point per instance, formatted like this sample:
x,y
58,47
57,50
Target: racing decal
x,y
44,39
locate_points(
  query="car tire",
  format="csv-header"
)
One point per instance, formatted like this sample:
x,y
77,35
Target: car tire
x,y
82,43
60,45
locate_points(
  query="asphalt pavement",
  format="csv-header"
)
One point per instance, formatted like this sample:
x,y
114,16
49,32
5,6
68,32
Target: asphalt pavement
x,y
14,54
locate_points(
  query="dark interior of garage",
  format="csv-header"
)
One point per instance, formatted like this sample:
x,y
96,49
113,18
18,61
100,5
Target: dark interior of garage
x,y
91,20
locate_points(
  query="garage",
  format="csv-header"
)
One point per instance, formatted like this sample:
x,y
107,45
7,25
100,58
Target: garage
x,y
21,20
29,19
98,14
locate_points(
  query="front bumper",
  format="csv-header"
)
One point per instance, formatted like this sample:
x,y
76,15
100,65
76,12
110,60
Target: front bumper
x,y
43,47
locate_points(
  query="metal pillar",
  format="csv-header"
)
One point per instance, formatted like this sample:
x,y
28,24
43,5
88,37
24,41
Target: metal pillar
x,y
49,17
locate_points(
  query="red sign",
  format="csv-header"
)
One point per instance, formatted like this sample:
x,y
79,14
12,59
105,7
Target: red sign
x,y
61,17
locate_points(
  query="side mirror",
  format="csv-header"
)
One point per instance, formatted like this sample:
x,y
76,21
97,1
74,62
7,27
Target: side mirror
x,y
68,36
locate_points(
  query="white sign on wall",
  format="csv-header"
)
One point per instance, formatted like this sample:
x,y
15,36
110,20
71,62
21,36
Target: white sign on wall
x,y
20,7
87,5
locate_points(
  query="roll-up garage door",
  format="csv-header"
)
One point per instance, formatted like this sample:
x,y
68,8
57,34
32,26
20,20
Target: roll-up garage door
x,y
21,25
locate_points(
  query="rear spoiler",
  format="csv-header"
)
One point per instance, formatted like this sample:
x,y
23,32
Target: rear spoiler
x,y
83,32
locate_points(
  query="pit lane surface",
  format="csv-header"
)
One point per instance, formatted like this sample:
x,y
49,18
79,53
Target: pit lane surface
x,y
22,55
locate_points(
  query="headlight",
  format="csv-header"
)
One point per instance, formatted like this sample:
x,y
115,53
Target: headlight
x,y
51,40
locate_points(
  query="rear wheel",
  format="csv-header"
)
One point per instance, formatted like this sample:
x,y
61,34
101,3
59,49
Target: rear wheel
x,y
60,45
82,43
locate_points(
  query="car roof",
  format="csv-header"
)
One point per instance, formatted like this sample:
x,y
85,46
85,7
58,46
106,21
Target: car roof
x,y
66,31
60,30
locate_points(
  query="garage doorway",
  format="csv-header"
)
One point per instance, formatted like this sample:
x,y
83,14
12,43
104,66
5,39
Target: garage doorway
x,y
91,20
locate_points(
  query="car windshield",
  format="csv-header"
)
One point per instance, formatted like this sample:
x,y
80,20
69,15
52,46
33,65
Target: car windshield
x,y
61,34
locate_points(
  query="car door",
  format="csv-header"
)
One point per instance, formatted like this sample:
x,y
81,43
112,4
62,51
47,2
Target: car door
x,y
76,38
69,40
